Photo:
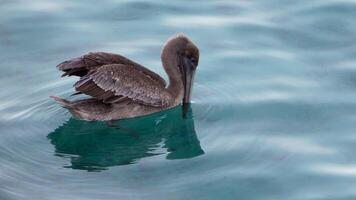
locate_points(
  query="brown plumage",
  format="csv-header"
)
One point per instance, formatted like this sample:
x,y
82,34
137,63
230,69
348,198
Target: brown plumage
x,y
122,88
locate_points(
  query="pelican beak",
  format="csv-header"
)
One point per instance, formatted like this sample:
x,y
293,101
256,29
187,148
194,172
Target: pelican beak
x,y
188,71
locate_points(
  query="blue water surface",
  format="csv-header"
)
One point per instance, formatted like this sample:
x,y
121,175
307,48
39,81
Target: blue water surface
x,y
273,114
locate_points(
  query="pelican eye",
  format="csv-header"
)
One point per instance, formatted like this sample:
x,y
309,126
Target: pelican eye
x,y
193,60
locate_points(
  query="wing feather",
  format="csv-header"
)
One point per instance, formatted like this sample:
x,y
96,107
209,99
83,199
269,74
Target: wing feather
x,y
87,63
117,82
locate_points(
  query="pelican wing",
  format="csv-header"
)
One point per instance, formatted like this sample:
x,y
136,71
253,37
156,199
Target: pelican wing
x,y
116,82
83,65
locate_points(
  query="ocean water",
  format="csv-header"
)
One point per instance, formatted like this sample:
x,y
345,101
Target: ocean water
x,y
273,114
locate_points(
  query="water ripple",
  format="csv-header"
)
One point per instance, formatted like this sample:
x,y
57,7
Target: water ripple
x,y
273,104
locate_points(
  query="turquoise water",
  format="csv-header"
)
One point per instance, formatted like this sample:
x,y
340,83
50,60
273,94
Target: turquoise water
x,y
273,116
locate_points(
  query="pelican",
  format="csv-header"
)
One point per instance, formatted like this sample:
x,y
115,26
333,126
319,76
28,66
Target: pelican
x,y
121,88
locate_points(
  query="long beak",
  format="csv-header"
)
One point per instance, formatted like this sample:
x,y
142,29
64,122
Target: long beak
x,y
188,78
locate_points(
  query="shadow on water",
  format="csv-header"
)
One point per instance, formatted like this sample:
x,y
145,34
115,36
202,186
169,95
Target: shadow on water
x,y
93,146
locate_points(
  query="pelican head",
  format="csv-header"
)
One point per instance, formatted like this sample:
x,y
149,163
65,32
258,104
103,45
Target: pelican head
x,y
180,58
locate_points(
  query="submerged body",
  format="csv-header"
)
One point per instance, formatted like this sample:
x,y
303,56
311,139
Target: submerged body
x,y
95,110
124,89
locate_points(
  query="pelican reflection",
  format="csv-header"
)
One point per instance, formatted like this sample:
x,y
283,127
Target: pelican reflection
x,y
93,146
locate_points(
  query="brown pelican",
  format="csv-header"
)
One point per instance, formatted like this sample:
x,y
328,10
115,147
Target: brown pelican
x,y
122,88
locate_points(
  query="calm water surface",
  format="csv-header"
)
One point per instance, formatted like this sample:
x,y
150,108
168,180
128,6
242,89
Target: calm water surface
x,y
274,112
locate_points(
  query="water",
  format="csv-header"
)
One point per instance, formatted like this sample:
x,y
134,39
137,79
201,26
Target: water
x,y
273,114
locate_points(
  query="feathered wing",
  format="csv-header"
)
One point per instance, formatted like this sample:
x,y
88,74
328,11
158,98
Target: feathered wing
x,y
113,78
83,65
117,82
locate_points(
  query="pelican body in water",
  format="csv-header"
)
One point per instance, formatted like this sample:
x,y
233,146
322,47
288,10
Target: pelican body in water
x,y
121,88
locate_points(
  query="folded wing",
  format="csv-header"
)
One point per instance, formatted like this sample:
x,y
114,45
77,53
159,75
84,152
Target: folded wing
x,y
113,78
117,82
83,65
